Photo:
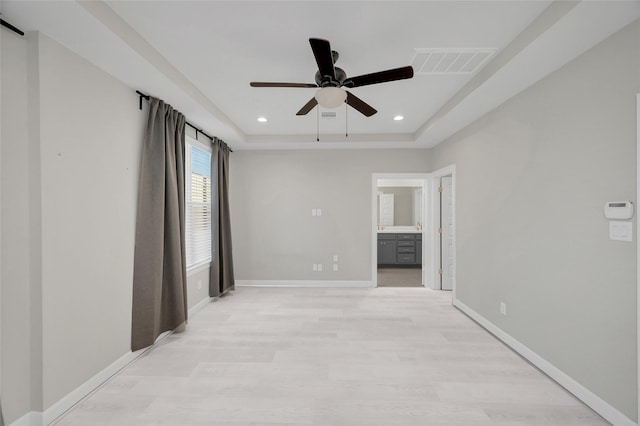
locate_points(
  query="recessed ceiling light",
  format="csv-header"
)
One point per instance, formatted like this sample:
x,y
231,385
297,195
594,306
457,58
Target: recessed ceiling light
x,y
262,119
398,118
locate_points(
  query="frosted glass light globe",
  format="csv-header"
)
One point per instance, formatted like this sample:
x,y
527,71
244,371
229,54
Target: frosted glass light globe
x,y
331,97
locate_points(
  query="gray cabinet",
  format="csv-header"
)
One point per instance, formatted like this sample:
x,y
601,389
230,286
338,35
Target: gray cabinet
x,y
386,249
399,249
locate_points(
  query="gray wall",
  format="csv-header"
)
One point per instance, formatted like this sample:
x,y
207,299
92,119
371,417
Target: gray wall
x,y
532,178
275,237
17,356
69,182
90,139
71,144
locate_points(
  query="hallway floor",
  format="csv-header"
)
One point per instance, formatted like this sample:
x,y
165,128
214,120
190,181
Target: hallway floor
x,y
399,277
339,357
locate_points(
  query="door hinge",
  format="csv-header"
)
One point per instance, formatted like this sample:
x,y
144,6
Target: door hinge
x,y
440,230
440,189
439,271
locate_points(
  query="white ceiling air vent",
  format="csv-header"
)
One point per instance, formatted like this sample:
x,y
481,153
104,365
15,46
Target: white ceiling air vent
x,y
328,115
450,61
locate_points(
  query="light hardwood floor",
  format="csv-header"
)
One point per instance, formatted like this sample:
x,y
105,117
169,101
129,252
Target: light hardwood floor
x,y
339,357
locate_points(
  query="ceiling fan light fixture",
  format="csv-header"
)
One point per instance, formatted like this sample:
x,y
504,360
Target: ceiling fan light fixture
x,y
331,97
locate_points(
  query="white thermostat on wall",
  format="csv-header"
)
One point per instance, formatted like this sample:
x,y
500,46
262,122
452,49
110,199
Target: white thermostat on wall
x,y
620,210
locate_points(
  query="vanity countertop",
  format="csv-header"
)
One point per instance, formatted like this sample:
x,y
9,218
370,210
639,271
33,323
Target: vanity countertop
x,y
400,230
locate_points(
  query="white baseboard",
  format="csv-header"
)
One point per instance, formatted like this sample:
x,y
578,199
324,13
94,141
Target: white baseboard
x,y
597,404
75,396
84,390
304,283
201,304
34,418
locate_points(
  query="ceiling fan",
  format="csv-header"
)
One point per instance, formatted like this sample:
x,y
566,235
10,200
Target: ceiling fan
x,y
331,79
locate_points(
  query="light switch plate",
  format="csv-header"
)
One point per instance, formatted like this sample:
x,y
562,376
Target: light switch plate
x,y
621,231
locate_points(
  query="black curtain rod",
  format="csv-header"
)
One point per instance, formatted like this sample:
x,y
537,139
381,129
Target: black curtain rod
x,y
11,27
143,96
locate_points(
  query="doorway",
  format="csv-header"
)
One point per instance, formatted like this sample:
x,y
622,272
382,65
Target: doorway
x,y
447,233
398,231
443,210
437,251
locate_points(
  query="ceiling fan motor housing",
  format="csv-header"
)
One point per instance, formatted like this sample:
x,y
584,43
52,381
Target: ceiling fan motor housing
x,y
327,80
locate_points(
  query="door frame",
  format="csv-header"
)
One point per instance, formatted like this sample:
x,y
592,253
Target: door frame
x,y
638,246
426,193
435,216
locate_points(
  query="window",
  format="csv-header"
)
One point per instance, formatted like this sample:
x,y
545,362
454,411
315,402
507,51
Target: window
x,y
198,204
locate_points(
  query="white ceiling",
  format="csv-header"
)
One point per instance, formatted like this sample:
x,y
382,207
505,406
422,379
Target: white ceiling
x,y
201,55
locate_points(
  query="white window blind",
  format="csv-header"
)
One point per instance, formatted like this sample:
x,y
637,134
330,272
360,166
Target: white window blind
x,y
198,205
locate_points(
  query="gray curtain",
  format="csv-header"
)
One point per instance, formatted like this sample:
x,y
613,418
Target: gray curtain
x,y
221,280
159,272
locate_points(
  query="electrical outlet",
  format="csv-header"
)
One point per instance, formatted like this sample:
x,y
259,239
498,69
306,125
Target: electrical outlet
x,y
335,267
199,284
314,212
503,308
319,212
335,257
319,267
315,267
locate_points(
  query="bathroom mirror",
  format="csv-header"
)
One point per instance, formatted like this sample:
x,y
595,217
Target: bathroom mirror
x,y
399,206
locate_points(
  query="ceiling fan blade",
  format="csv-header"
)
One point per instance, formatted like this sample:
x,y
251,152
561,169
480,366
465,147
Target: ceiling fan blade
x,y
324,58
360,105
270,84
307,107
380,77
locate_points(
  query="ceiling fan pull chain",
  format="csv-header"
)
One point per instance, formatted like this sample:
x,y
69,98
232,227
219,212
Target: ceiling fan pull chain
x,y
346,121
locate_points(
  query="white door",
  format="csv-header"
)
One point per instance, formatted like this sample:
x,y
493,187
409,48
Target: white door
x,y
447,255
417,207
385,215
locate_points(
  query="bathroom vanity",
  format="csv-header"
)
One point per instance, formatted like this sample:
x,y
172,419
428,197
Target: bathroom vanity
x,y
399,248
